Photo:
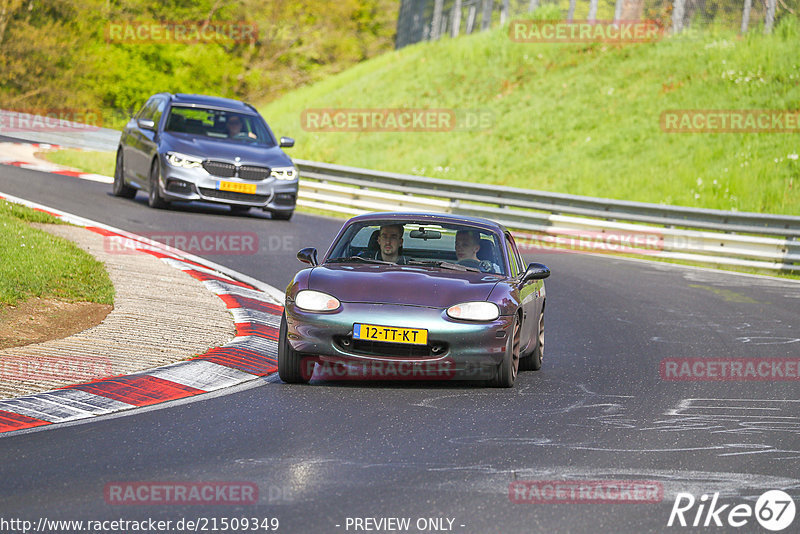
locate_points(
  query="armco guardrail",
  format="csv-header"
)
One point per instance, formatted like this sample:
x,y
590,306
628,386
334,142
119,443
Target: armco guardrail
x,y
553,220
540,219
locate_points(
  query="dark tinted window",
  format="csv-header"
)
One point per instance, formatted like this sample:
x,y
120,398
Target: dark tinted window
x,y
219,124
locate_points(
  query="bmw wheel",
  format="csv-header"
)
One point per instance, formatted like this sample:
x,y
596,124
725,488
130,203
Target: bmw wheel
x,y
154,198
119,189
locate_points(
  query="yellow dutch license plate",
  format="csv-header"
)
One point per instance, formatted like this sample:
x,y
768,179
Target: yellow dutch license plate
x,y
390,334
236,187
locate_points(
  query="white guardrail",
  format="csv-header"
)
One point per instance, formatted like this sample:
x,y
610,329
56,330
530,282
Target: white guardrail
x,y
555,221
540,220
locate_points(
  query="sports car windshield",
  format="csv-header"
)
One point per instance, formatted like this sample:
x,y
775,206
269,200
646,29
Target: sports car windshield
x,y
422,243
219,124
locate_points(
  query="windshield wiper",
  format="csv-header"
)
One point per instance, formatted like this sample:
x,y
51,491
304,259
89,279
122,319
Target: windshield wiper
x,y
354,259
445,265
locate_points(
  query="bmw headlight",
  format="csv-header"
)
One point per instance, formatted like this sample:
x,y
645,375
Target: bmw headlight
x,y
310,300
474,311
177,159
284,173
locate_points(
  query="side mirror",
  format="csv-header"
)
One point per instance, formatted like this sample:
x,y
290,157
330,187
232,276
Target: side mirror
x,y
535,271
308,255
286,142
146,124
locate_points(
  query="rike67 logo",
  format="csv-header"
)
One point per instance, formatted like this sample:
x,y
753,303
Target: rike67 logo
x,y
774,510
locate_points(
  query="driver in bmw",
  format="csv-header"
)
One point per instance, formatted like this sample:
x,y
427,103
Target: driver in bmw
x,y
234,127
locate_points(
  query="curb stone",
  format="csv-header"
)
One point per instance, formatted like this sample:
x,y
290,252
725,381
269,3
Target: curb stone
x,y
251,354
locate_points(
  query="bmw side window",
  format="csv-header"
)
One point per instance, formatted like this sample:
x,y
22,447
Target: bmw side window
x,y
160,105
148,110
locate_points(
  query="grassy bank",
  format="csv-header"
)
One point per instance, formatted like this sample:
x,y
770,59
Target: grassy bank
x,y
572,118
37,264
86,160
575,118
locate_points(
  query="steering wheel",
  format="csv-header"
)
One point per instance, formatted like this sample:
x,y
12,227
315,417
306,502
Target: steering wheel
x,y
469,262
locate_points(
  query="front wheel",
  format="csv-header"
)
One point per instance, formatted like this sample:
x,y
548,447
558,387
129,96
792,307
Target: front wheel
x,y
154,198
289,360
507,370
534,361
119,189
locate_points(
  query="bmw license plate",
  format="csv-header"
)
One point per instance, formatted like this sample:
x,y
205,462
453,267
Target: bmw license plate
x,y
236,187
390,334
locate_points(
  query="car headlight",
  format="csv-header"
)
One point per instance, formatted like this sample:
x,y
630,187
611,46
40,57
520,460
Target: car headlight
x,y
310,300
177,159
474,311
284,173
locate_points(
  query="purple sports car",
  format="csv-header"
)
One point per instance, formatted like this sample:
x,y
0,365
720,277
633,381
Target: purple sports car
x,y
414,296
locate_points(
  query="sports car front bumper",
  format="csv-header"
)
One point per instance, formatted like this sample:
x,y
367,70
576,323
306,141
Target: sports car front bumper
x,y
456,349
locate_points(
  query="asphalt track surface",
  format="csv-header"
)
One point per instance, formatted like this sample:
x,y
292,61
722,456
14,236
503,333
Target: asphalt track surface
x,y
320,454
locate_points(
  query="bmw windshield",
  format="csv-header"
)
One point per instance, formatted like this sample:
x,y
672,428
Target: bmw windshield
x,y
219,124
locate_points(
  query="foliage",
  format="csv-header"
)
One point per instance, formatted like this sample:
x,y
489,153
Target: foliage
x,y
58,54
575,118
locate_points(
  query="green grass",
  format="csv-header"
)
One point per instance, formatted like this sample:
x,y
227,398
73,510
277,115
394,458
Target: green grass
x,y
575,118
86,160
34,263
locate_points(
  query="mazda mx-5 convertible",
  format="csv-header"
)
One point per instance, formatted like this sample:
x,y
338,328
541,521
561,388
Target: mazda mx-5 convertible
x,y
414,296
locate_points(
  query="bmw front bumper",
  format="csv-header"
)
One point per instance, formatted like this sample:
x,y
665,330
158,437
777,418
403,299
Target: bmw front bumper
x,y
271,194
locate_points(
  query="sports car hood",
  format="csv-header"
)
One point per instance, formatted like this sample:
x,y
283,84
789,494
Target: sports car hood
x,y
222,149
406,284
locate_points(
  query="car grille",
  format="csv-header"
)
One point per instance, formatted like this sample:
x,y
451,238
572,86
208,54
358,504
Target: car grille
x,y
230,195
394,350
229,170
220,168
248,172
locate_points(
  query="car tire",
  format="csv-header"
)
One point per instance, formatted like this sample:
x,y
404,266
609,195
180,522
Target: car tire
x,y
289,360
154,198
508,369
119,189
282,215
533,362
239,209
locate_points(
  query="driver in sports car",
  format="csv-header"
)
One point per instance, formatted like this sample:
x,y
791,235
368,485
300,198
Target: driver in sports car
x,y
468,243
389,245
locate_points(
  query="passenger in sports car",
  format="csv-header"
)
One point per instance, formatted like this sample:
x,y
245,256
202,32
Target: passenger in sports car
x,y
468,243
